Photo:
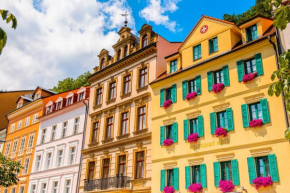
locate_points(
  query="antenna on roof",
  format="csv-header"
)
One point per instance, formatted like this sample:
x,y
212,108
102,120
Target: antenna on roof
x,y
125,15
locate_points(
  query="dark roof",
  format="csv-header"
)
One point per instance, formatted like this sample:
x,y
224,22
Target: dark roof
x,y
254,18
171,55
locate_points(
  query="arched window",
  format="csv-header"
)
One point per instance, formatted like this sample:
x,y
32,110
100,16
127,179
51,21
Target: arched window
x,y
102,65
119,54
144,41
125,51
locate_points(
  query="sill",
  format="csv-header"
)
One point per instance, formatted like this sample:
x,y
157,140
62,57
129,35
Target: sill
x,y
107,140
213,52
123,136
97,106
93,143
140,131
125,95
197,59
142,88
111,101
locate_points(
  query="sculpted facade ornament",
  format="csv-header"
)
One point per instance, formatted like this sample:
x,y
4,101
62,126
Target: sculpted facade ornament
x,y
122,149
139,145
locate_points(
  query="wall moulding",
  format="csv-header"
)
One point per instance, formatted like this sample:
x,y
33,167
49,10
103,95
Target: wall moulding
x,y
254,98
221,107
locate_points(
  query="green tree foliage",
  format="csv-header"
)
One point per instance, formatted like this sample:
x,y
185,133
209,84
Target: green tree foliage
x,y
260,8
6,16
281,13
70,83
8,171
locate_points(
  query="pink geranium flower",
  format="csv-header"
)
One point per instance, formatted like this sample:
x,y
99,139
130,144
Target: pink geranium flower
x,y
167,104
168,189
262,182
218,87
226,186
221,132
256,123
191,95
192,137
167,142
249,77
196,188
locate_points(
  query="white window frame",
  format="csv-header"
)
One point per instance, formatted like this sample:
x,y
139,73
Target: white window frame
x,y
65,185
5,190
19,105
35,116
54,188
25,169
37,96
48,166
14,147
20,189
53,133
19,125
22,144
82,94
64,129
76,124
43,135
30,142
33,190
13,190
43,190
27,120
59,163
12,127
7,149
37,163
71,162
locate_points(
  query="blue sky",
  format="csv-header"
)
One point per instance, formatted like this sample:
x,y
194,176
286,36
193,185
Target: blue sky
x,y
56,39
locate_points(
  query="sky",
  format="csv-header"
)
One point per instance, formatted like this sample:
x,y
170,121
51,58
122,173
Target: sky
x,y
56,39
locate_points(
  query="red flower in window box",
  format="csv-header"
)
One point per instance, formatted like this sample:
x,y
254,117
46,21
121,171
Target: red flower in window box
x,y
226,186
167,104
256,123
216,88
196,188
192,137
167,142
168,189
221,132
262,182
249,77
191,95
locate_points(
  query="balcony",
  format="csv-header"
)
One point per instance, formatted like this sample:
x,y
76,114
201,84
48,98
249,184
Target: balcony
x,y
122,182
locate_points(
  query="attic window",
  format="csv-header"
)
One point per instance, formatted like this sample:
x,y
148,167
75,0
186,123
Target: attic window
x,y
19,105
37,96
81,96
58,105
252,33
69,101
144,41
49,109
125,51
102,65
119,54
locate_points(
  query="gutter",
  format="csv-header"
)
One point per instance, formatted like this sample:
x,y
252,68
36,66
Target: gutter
x,y
83,144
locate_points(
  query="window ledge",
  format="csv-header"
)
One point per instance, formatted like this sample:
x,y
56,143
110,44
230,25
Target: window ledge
x,y
93,144
123,136
140,131
125,95
213,52
142,88
111,101
97,106
197,59
107,140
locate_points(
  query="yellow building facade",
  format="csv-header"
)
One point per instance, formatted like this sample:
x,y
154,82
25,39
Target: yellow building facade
x,y
240,129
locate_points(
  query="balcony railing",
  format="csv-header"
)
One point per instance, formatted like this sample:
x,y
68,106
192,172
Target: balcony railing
x,y
108,183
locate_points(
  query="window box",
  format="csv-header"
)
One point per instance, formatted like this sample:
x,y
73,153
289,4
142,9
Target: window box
x,y
249,77
168,132
262,182
167,142
226,186
250,69
256,123
168,189
168,94
216,88
191,95
167,104
196,188
169,181
221,132
192,138
215,78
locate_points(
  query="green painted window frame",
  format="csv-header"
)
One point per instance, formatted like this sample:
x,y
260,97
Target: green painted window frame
x,y
169,132
218,76
193,126
197,52
192,87
170,177
262,162
252,33
255,109
226,170
173,66
250,66
168,94
195,174
213,45
222,119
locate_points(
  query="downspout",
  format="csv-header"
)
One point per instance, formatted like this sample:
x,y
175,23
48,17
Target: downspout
x,y
83,144
278,67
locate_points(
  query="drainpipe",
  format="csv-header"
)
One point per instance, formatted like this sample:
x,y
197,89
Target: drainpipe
x,y
278,67
83,143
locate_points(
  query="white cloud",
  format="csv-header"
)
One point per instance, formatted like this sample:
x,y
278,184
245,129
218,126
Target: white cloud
x,y
156,12
57,39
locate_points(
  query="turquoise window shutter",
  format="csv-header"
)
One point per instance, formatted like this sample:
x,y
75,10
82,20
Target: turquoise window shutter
x,y
162,134
245,115
198,84
161,97
174,95
259,64
162,180
185,129
216,44
235,172
200,126
226,75
273,167
216,168
212,123
265,110
187,177
251,169
230,119
184,89
176,178
240,68
203,175
175,132
209,80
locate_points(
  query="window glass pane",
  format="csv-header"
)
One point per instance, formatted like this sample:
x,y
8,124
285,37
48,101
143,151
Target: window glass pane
x,y
195,174
139,164
226,170
168,94
222,119
193,125
192,86
218,77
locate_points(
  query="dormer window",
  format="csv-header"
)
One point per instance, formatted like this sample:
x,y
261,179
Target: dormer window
x,y
252,33
37,96
144,41
81,96
125,51
49,109
119,55
58,105
19,105
173,66
69,101
102,64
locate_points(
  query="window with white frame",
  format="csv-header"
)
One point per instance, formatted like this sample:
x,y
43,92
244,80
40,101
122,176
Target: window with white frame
x,y
76,125
33,188
22,143
27,120
13,190
64,128
19,125
7,150
69,101
72,155
59,158
12,128
30,141
58,105
54,187
43,136
67,186
53,133
43,188
37,96
5,191
34,118
81,96
26,165
48,160
21,189
37,163
49,109
19,105
14,147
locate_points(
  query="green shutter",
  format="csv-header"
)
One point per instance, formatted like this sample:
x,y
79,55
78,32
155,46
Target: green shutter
x,y
209,80
175,132
265,111
230,119
162,180
211,46
200,126
216,168
162,134
259,64
198,84
176,178
185,129
273,167
226,75
215,43
240,68
245,115
212,123
203,175
235,172
187,177
173,92
184,89
161,97
251,169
